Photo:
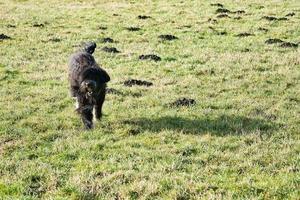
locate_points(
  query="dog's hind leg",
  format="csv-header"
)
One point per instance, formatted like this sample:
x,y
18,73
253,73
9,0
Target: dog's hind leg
x,y
99,104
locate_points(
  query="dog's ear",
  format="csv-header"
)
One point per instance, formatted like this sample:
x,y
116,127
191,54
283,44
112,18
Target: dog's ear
x,y
104,76
96,74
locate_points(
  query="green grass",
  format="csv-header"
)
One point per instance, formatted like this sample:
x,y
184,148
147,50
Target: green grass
x,y
240,141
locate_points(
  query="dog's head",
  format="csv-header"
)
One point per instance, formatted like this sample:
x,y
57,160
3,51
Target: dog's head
x,y
92,80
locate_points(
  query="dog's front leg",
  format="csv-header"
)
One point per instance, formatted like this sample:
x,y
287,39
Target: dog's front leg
x,y
87,117
76,103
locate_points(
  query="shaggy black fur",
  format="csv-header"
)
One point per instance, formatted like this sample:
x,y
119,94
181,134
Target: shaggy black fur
x,y
87,84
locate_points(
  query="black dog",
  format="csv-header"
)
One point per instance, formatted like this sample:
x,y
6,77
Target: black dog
x,y
87,84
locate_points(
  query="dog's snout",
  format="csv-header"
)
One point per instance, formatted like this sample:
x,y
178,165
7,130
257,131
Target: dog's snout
x,y
89,84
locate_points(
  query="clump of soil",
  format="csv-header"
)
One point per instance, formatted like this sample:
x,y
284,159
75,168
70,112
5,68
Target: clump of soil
x,y
290,14
143,17
4,37
183,102
237,18
260,7
245,50
168,37
282,43
223,16
150,57
289,45
238,12
217,5
221,33
271,18
38,25
223,10
263,29
107,40
11,26
244,34
54,40
133,28
282,19
273,41
112,91
110,50
32,156
132,82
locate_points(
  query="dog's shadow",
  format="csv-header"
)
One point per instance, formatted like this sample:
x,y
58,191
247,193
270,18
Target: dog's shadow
x,y
220,126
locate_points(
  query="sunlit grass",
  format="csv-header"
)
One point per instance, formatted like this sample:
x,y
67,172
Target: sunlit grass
x,y
239,141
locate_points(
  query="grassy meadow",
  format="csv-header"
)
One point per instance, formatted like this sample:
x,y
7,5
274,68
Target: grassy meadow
x,y
239,141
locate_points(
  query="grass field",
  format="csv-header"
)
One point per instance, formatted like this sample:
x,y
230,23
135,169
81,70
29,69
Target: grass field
x,y
239,141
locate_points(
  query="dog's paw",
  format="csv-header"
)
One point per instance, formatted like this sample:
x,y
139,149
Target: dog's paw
x,y
88,125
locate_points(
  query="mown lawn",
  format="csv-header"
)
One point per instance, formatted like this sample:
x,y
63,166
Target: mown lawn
x,y
239,141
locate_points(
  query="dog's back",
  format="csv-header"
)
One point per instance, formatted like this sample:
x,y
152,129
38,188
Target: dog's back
x,y
79,61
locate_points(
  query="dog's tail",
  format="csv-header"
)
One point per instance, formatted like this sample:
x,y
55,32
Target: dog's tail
x,y
89,47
